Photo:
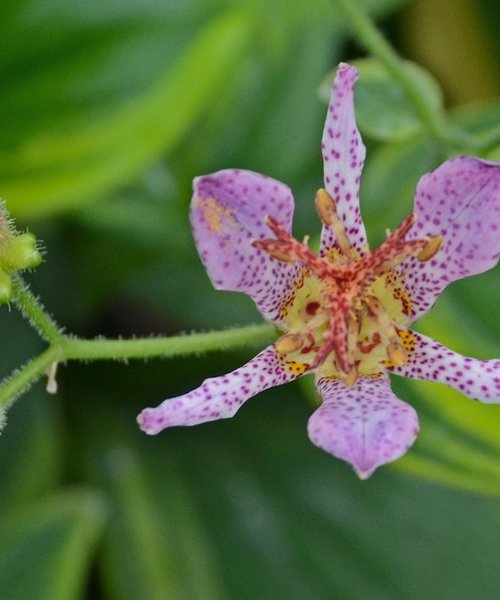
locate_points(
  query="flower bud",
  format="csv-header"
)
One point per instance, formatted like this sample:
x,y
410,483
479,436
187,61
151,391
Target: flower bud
x,y
5,287
18,251
21,253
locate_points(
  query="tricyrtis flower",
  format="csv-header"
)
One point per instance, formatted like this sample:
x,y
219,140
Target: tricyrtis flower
x,y
346,312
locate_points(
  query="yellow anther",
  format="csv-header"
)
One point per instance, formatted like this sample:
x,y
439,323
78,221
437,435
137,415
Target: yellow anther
x,y
327,211
325,206
279,255
351,377
432,247
397,354
289,343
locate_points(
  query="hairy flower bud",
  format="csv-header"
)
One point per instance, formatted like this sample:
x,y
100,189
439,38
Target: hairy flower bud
x,y
18,251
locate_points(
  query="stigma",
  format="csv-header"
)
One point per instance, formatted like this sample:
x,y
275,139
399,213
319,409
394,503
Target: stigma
x,y
347,316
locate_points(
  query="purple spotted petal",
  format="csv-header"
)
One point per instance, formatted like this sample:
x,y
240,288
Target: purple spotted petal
x,y
228,212
460,201
366,425
218,397
343,159
431,361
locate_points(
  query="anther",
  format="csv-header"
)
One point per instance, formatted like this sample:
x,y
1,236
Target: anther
x,y
397,354
327,211
325,206
272,248
289,343
279,255
353,327
432,247
351,377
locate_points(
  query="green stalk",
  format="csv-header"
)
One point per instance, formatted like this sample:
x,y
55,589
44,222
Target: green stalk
x,y
368,34
166,347
21,380
34,311
67,348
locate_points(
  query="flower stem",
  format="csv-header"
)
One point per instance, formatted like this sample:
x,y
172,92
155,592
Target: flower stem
x,y
375,43
65,348
34,311
166,347
21,380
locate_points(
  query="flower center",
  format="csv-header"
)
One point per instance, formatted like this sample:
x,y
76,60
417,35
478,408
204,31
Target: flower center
x,y
343,313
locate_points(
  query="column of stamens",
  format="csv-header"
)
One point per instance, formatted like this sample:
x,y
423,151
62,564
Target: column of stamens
x,y
396,352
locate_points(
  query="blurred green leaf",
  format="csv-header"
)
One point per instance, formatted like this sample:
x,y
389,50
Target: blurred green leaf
x,y
481,120
156,546
464,439
32,442
31,449
248,508
477,118
383,112
101,144
45,549
389,181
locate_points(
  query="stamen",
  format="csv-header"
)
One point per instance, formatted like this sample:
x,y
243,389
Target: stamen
x,y
395,350
274,249
350,378
327,211
289,343
331,323
432,247
397,354
287,248
325,206
379,313
353,327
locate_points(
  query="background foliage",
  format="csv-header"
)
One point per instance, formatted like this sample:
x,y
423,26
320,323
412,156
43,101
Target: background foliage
x,y
108,109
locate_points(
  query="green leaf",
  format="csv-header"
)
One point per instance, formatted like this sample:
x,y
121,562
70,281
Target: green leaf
x,y
156,546
31,449
482,121
383,112
60,162
45,549
249,508
32,442
389,181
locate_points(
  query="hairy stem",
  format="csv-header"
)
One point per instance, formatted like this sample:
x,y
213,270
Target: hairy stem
x,y
66,348
166,347
21,380
34,311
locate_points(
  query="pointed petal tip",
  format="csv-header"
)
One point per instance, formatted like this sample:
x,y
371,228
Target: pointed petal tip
x,y
364,474
365,425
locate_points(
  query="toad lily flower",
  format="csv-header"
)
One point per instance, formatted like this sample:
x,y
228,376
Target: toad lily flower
x,y
346,313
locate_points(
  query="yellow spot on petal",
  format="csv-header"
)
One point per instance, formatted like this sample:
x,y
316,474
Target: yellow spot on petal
x,y
215,214
296,368
408,339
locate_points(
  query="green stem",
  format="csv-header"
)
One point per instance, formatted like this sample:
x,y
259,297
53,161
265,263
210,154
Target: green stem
x,y
66,348
34,311
166,347
20,381
375,43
